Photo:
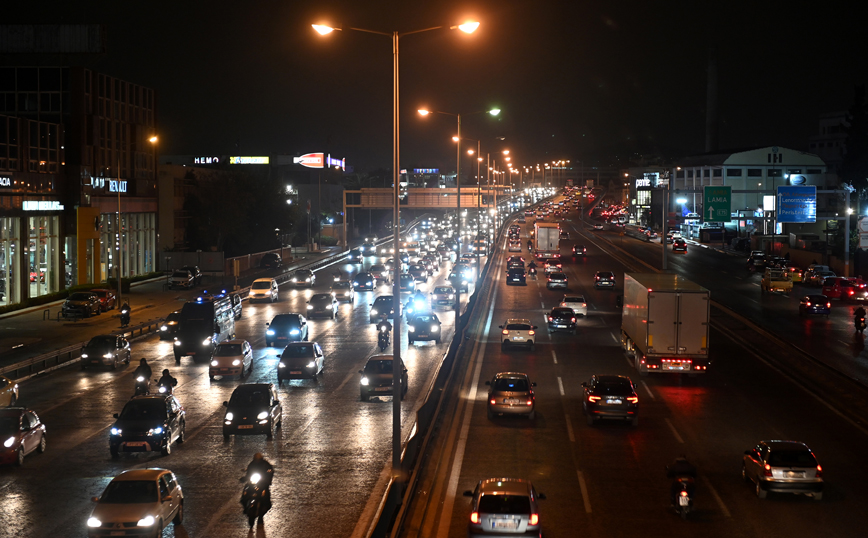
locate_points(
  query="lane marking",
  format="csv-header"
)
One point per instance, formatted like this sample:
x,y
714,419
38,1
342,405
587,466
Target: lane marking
x,y
542,305
648,390
554,357
717,498
674,431
344,382
584,489
561,386
626,358
570,429
615,338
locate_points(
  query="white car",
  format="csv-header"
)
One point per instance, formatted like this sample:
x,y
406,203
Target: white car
x,y
598,226
233,357
577,303
517,332
138,501
515,245
263,289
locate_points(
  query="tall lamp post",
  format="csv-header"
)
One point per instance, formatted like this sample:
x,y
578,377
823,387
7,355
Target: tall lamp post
x,y
467,27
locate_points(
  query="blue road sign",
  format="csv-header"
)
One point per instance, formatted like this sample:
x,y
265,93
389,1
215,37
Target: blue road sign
x,y
797,204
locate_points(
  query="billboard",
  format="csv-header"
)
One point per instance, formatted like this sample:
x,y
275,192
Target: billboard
x,y
319,160
797,204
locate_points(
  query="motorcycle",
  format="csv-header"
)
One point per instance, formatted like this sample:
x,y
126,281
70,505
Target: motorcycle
x,y
163,388
532,272
683,502
336,277
860,324
255,498
383,338
143,385
125,317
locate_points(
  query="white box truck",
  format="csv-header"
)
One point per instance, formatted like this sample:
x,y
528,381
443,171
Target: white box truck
x,y
664,323
547,237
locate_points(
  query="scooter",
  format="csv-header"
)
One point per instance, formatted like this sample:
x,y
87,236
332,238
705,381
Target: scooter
x,y
860,324
383,339
255,499
143,385
125,317
683,502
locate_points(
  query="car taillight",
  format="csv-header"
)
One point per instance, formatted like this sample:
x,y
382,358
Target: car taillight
x,y
828,305
767,470
573,320
584,305
534,519
550,318
808,303
530,402
492,401
531,333
819,471
633,399
505,331
593,399
684,493
474,517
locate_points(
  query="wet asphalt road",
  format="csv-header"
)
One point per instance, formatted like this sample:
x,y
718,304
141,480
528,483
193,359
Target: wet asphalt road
x,y
608,480
329,456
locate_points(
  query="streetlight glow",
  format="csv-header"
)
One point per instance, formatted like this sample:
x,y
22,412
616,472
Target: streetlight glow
x,y
423,112
322,29
681,201
468,27
494,111
153,139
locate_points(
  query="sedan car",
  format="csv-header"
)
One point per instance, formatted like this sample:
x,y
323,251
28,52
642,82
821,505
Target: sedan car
x,y
286,328
322,305
577,303
515,245
783,467
8,392
515,277
423,327
300,360
579,250
679,245
170,325
364,281
418,272
148,423
598,226
381,274
22,432
815,304
511,393
444,297
604,279
303,278
610,396
107,299
407,283
81,304
139,502
459,281
343,291
557,280
517,332
553,266
253,408
232,357
561,319
377,377
382,304
355,255
504,507
105,350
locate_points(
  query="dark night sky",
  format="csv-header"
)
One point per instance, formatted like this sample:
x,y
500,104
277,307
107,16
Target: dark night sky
x,y
574,79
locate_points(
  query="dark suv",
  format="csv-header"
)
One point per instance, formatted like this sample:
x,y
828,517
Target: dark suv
x,y
515,276
253,409
604,279
148,423
285,328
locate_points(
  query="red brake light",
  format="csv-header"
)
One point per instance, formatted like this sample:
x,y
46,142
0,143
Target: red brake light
x,y
492,401
474,517
819,471
531,332
828,305
633,399
593,399
808,303
767,470
505,331
534,519
530,402
683,493
573,320
584,304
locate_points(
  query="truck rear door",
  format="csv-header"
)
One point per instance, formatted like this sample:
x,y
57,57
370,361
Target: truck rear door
x,y
662,322
693,324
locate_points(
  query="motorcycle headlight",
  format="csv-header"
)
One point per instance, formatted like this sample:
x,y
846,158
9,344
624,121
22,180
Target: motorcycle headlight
x,y
163,389
146,521
311,364
84,355
177,342
229,416
9,442
207,341
364,381
155,431
214,363
236,362
262,416
93,522
270,332
255,478
140,379
294,332
116,431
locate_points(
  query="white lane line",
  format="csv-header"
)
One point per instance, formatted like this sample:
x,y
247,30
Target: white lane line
x,y
615,338
626,358
542,305
648,390
584,489
344,382
717,498
554,357
570,429
561,386
674,431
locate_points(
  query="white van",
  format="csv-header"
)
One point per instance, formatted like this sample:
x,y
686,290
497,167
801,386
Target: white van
x,y
263,289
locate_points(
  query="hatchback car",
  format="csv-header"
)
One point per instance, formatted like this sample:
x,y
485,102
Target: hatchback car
x,y
553,266
286,328
783,467
610,396
148,423
504,507
579,250
232,357
516,276
139,502
303,278
679,245
382,304
815,304
300,360
515,245
81,304
8,392
22,433
407,283
598,226
364,281
322,305
423,327
381,274
368,249
105,350
418,272
443,297
517,332
107,299
511,393
264,289
170,325
561,319
557,280
604,279
343,291
271,260
253,408
354,255
377,377
577,303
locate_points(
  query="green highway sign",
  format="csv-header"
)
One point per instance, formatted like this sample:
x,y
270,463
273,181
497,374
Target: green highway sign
x,y
718,204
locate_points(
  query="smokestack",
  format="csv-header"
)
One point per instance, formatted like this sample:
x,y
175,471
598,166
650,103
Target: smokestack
x,y
712,116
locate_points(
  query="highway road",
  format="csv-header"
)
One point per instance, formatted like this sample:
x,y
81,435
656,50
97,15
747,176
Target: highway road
x,y
609,480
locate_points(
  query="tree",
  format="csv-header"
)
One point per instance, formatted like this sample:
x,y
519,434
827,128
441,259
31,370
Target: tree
x,y
854,168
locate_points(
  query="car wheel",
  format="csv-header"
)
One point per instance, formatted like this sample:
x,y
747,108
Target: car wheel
x,y
179,516
183,434
168,448
41,447
115,364
19,458
744,475
760,492
270,434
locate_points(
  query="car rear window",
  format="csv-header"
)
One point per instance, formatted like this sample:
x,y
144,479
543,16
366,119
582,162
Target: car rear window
x,y
511,385
517,327
613,388
795,458
562,311
504,504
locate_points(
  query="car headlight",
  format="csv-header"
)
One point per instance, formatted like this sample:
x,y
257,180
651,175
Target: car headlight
x,y
435,328
146,521
236,362
164,328
9,442
328,307
373,311
207,341
307,279
364,381
451,296
251,294
411,329
214,363
370,283
294,332
177,342
294,279
229,416
84,355
311,364
93,522
107,356
262,416
270,332
155,431
310,307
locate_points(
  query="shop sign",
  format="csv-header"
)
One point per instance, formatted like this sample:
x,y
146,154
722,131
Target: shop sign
x,y
206,160
643,182
38,205
310,160
117,186
248,160
426,170
5,181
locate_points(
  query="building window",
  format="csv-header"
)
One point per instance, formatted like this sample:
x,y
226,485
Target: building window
x,y
718,172
754,172
774,172
690,174
733,172
795,171
814,171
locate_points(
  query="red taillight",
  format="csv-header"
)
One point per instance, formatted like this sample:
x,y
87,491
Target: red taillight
x,y
593,399
534,519
808,303
819,471
474,517
584,305
573,320
828,305
550,319
531,333
492,401
683,493
767,470
505,331
633,399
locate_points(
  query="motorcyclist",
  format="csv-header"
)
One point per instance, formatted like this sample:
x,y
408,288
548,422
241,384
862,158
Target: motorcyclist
x,y
531,268
681,472
166,380
384,326
143,370
125,313
529,245
261,466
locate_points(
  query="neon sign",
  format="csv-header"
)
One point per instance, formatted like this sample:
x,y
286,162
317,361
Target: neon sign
x,y
248,160
117,186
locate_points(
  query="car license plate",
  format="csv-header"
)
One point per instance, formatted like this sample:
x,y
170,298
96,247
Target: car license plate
x,y
118,533
135,443
517,339
560,326
245,426
383,389
504,524
683,501
421,336
794,474
515,279
223,370
296,372
613,402
675,366
511,401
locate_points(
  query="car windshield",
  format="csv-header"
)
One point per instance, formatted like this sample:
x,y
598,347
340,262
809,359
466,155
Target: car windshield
x,y
285,321
304,273
304,350
510,385
442,290
792,458
321,298
79,297
424,319
228,350
504,504
9,425
250,397
341,285
101,341
151,409
266,285
517,327
130,492
174,316
378,367
378,268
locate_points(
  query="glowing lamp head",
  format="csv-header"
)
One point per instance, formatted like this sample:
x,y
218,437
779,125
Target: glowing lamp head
x,y
321,29
468,27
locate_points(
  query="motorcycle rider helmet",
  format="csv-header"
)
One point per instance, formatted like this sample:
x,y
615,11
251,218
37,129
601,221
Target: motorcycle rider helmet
x,y
258,456
143,362
166,372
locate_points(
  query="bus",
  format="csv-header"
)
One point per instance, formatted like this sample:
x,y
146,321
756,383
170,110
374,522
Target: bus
x,y
203,324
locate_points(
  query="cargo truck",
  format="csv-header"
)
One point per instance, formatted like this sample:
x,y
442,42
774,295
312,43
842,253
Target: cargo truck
x,y
664,323
547,236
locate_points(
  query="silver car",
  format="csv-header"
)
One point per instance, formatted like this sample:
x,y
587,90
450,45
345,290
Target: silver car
x,y
784,467
517,332
577,303
504,507
136,503
511,393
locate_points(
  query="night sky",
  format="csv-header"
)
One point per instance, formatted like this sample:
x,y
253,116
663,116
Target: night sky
x,y
575,80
